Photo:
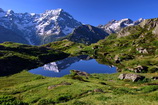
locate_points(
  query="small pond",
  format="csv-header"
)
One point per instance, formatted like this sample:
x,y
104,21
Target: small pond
x,y
63,67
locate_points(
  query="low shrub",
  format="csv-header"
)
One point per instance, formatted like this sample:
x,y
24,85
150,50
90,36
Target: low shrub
x,y
63,98
9,100
46,102
122,91
148,89
76,102
103,98
152,69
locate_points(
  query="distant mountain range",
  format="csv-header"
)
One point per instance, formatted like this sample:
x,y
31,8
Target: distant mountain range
x,y
37,29
115,26
88,34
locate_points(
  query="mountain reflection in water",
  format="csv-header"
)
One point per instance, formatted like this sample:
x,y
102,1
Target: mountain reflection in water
x,y
63,67
65,63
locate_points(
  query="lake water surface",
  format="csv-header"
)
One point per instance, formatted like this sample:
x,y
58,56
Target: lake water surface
x,y
63,67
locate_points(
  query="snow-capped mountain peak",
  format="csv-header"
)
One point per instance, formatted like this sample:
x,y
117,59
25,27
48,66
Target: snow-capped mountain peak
x,y
51,25
53,12
126,19
39,28
10,12
115,26
140,19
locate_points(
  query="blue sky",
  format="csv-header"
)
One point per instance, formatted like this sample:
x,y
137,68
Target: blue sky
x,y
92,12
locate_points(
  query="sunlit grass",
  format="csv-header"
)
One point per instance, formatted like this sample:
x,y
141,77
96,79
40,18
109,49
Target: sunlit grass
x,y
33,89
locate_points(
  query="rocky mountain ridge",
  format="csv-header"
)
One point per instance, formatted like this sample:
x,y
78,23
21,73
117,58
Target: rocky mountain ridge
x,y
87,34
39,28
116,25
134,48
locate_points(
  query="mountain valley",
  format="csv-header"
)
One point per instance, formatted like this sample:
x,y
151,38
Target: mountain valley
x,y
130,46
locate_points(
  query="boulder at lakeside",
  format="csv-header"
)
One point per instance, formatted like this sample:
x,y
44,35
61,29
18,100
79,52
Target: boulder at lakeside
x,y
133,77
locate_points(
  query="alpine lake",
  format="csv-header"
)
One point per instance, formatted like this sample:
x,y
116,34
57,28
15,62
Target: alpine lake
x,y
81,63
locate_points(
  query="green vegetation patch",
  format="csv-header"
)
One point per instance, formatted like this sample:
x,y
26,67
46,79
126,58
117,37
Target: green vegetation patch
x,y
27,88
15,57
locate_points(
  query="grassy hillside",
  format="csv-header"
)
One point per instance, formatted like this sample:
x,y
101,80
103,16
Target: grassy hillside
x,y
70,47
131,48
97,89
134,48
15,57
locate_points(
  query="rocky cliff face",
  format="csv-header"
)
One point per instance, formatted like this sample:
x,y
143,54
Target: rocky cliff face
x,y
148,24
151,24
39,28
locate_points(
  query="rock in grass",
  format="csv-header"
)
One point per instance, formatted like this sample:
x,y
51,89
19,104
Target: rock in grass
x,y
133,77
155,78
98,90
142,50
139,69
80,73
61,84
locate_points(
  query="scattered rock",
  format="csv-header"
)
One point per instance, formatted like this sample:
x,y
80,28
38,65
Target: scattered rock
x,y
95,47
51,87
117,59
105,54
65,83
155,78
80,73
118,69
122,76
79,47
139,69
61,84
133,77
98,90
155,31
142,50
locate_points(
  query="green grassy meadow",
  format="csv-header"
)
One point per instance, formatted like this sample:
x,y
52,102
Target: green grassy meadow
x,y
99,89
